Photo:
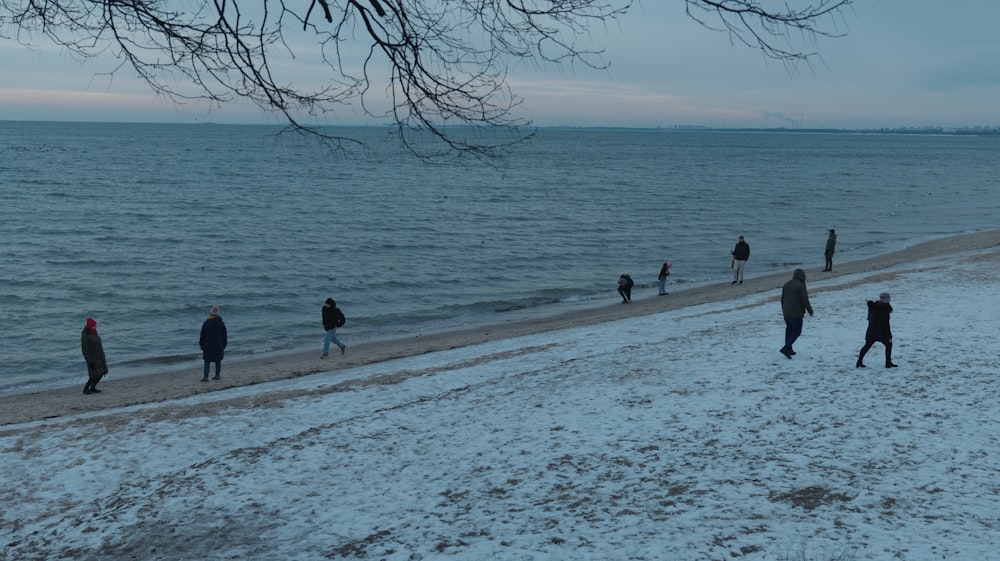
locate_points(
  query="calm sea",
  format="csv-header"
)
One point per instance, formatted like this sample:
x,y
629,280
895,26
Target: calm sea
x,y
144,227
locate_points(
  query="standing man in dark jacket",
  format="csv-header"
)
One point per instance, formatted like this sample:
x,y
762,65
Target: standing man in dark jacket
x,y
213,342
878,329
741,253
332,319
794,305
831,245
93,353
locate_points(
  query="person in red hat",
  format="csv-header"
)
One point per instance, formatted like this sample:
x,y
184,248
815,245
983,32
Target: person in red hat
x,y
93,353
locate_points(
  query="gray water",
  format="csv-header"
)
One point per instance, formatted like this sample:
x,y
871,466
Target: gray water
x,y
144,227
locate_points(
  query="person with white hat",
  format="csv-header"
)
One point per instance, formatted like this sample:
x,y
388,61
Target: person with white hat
x,y
213,341
878,329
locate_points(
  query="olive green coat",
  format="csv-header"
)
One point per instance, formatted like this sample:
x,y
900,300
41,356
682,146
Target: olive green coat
x,y
93,353
831,245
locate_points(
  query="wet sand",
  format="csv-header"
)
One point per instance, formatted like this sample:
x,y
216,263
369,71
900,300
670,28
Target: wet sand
x,y
165,386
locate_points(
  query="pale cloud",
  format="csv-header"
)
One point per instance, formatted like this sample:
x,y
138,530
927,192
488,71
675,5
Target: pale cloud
x,y
620,104
75,105
41,97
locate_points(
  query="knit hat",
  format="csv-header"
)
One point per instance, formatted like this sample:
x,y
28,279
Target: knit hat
x,y
884,297
331,301
215,310
91,323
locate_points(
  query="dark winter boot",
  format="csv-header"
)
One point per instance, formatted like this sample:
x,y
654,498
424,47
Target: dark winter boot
x,y
888,356
861,356
86,389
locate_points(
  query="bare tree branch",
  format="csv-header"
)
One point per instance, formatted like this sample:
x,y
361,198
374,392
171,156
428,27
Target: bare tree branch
x,y
750,24
443,63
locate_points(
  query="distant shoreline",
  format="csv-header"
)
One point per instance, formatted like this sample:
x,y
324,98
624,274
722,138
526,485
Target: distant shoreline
x,y
932,131
164,386
981,130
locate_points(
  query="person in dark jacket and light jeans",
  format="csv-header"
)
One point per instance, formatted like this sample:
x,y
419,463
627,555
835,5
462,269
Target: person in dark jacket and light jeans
x,y
794,305
878,329
332,319
213,342
741,254
664,273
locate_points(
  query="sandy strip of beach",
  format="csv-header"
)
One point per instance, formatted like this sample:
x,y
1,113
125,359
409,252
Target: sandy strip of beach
x,y
164,386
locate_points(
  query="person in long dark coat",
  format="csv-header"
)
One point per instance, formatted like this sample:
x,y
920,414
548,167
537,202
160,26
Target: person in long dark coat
x,y
878,329
831,246
213,342
93,353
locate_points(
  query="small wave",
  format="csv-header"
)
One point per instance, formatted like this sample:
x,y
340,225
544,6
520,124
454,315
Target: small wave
x,y
502,307
168,360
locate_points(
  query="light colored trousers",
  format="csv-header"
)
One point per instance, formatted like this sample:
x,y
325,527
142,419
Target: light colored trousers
x,y
331,336
738,270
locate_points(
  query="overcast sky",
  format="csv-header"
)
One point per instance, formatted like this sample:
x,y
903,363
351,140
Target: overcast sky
x,y
902,63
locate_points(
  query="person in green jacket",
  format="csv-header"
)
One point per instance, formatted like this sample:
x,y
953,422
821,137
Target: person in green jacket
x,y
93,353
794,305
831,244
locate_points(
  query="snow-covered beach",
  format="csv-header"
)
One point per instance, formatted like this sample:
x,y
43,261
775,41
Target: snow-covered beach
x,y
668,429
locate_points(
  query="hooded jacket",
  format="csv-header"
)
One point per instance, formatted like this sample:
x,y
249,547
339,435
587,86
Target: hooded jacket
x,y
878,322
333,317
794,297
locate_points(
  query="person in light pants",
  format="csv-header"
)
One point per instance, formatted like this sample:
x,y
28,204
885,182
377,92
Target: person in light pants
x,y
741,253
332,319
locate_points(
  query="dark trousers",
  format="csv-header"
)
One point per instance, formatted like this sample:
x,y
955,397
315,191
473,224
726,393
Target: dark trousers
x,y
868,345
218,368
92,382
626,294
829,263
793,328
